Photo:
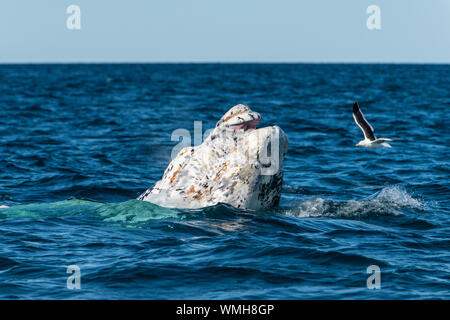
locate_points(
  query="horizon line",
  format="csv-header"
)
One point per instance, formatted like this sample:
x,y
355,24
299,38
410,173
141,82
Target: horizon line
x,y
223,62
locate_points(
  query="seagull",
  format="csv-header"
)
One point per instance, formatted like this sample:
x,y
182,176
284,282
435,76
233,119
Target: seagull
x,y
370,141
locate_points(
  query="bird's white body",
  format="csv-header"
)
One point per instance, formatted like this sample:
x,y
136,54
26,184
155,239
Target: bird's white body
x,y
375,144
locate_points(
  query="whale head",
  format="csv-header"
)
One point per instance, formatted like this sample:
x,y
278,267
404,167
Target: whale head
x,y
239,117
237,164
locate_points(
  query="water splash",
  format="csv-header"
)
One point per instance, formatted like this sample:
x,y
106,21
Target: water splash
x,y
388,201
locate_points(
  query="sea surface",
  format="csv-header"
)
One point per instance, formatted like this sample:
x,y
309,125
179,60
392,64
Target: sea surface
x,y
78,143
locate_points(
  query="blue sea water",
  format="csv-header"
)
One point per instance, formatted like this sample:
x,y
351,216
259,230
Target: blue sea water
x,y
79,142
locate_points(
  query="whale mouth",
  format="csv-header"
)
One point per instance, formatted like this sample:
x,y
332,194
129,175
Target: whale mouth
x,y
248,125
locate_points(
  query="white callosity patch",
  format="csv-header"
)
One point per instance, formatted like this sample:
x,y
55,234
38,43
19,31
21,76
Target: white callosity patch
x,y
237,164
387,202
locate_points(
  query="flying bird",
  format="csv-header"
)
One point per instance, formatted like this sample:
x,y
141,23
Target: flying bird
x,y
370,141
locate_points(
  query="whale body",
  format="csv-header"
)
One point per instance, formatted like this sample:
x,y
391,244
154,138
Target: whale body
x,y
237,164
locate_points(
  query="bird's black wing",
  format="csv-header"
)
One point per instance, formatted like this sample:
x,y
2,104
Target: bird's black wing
x,y
363,123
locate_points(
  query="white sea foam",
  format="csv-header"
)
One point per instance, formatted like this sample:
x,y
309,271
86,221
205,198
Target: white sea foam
x,y
3,207
388,201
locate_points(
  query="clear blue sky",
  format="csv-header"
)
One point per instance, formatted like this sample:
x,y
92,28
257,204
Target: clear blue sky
x,y
225,31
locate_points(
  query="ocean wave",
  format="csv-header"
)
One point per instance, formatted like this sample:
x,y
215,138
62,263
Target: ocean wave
x,y
388,201
134,211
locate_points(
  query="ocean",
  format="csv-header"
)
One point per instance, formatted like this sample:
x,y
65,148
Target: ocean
x,y
80,142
